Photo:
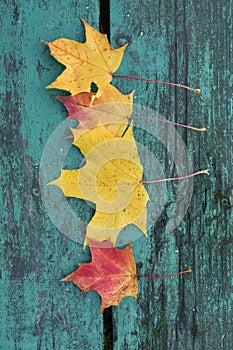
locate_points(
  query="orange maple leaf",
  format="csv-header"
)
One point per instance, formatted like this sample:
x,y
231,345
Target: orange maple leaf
x,y
112,273
111,109
91,62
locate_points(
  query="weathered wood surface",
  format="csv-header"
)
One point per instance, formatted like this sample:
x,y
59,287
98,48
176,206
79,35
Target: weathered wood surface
x,y
38,312
187,42
180,41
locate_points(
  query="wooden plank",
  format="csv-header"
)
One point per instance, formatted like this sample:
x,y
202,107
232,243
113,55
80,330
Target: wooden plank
x,y
183,42
37,311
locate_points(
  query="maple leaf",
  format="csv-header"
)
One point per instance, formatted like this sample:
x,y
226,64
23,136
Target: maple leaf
x,y
111,109
91,62
112,273
110,179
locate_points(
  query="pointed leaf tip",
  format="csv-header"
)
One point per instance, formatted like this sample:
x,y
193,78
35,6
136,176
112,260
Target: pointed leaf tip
x,y
56,182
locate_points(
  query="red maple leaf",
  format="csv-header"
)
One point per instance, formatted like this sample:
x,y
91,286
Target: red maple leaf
x,y
111,107
112,273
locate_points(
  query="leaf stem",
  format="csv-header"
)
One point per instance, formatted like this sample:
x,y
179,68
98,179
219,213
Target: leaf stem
x,y
165,276
169,122
175,178
197,91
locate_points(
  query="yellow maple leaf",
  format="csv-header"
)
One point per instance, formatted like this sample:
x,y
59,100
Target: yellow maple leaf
x,y
110,179
91,62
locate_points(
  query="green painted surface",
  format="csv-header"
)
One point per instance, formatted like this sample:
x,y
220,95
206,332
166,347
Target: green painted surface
x,y
38,311
180,41
187,42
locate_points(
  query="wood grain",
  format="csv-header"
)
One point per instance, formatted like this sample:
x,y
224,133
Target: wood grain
x,y
180,41
38,311
191,43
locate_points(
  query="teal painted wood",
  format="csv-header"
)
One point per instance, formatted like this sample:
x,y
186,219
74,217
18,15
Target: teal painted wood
x,y
37,311
183,42
190,42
